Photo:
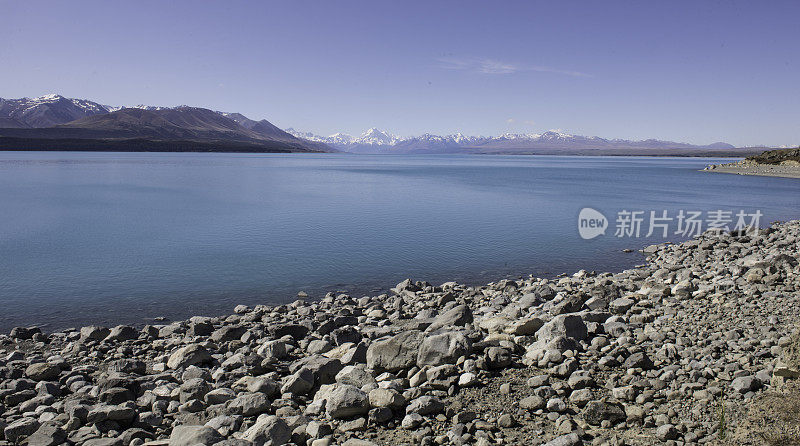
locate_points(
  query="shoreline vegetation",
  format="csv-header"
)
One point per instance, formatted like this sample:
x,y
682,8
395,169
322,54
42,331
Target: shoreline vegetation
x,y
694,346
773,163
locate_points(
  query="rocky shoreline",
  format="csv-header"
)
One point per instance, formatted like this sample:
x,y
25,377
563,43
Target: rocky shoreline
x,y
787,169
674,352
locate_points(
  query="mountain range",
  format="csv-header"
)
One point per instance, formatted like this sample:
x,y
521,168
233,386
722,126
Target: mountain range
x,y
53,122
551,142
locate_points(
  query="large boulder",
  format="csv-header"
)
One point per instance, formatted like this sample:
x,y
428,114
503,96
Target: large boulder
x,y
458,316
406,285
386,398
356,375
323,368
567,325
273,350
24,332
219,395
104,412
47,435
296,331
744,384
200,326
225,424
248,404
533,402
299,383
43,371
228,333
396,352
667,432
122,333
193,389
192,354
621,305
596,411
21,428
425,405
342,400
268,430
444,348
94,333
524,327
638,360
128,366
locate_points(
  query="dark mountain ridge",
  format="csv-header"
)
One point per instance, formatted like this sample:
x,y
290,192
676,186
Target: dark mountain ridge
x,y
137,128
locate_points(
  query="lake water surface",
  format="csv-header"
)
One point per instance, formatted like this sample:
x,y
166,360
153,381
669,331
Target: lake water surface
x,y
110,237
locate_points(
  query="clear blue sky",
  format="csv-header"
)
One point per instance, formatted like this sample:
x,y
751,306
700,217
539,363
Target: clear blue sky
x,y
695,71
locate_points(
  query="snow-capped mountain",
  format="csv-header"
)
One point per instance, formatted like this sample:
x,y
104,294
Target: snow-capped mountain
x,y
371,141
377,141
377,137
372,136
48,110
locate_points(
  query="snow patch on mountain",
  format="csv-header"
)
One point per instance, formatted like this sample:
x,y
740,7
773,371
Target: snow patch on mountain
x,y
49,110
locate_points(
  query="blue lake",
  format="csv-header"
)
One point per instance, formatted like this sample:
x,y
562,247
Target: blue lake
x,y
111,238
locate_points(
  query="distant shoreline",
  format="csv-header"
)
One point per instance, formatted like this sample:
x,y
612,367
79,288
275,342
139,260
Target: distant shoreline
x,y
756,169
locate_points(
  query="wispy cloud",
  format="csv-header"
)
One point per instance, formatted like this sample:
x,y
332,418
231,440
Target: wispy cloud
x,y
486,66
492,66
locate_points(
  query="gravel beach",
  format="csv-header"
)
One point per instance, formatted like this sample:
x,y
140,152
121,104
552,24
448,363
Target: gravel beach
x,y
678,351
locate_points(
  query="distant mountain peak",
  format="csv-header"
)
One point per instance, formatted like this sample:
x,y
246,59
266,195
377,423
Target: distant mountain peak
x,y
49,97
375,140
377,137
